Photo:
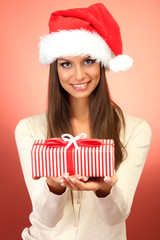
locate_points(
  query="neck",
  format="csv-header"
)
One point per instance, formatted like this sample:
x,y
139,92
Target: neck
x,y
80,109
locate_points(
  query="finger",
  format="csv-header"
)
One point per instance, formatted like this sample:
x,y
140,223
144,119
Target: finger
x,y
111,180
84,178
70,183
86,186
79,177
57,179
62,182
75,183
108,179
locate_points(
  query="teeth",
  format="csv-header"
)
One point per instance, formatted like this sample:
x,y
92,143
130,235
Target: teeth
x,y
80,85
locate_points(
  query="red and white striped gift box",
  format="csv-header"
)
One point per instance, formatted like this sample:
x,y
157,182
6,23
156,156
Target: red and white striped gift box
x,y
91,158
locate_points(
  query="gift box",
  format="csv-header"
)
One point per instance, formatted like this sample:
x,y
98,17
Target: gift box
x,y
74,155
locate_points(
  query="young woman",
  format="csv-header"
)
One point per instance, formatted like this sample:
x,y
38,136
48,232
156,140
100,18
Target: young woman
x,y
81,46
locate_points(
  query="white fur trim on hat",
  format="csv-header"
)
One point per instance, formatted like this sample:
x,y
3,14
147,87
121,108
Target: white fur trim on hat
x,y
120,63
76,43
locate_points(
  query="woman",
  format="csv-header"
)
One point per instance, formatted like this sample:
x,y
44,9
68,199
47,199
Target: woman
x,y
81,45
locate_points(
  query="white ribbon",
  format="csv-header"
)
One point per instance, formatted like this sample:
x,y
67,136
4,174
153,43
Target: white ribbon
x,y
70,139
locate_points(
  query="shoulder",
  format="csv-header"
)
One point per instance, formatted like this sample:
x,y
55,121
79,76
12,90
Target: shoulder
x,y
136,128
36,126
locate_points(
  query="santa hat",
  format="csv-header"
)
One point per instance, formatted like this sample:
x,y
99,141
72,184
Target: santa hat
x,y
85,31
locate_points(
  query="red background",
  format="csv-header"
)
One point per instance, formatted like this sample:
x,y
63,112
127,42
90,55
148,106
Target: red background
x,y
23,91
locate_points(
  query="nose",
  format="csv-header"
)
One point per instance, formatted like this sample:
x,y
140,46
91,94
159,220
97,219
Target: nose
x,y
79,73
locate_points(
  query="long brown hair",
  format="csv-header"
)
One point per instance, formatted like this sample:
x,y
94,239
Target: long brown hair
x,y
106,118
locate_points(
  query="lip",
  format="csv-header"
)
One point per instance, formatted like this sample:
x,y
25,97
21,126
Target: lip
x,y
80,86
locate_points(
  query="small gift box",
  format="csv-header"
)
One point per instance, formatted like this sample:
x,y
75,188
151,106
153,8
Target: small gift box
x,y
74,155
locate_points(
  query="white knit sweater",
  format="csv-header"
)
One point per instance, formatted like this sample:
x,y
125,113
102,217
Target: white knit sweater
x,y
93,218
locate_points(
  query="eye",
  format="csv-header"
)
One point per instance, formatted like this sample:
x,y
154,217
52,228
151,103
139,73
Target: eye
x,y
65,64
89,61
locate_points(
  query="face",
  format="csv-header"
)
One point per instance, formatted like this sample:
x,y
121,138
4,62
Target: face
x,y
79,76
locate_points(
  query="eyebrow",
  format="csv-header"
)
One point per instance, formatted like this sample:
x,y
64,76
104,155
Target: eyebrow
x,y
62,59
65,59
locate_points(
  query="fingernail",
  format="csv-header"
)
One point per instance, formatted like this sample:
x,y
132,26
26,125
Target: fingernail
x,y
72,179
66,177
62,184
79,177
107,179
65,174
85,179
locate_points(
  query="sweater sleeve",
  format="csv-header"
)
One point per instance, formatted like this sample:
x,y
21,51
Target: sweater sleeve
x,y
115,208
47,207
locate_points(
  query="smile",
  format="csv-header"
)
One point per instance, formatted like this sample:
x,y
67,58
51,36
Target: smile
x,y
80,87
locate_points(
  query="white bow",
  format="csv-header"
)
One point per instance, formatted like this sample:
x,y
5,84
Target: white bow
x,y
70,139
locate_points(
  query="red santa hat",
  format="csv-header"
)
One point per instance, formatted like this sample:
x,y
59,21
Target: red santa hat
x,y
85,31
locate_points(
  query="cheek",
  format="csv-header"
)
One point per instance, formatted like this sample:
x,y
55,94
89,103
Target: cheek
x,y
63,77
96,73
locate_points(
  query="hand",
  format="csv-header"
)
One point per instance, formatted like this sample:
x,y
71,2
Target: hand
x,y
100,185
54,184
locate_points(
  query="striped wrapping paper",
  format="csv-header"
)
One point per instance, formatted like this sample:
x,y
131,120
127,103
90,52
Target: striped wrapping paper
x,y
92,158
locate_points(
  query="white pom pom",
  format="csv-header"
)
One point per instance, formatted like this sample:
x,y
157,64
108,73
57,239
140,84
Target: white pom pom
x,y
120,63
